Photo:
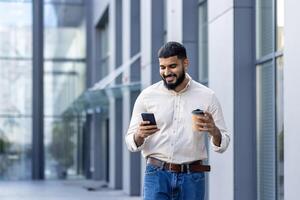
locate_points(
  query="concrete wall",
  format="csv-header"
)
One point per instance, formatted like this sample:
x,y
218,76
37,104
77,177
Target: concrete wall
x,y
221,55
291,100
174,20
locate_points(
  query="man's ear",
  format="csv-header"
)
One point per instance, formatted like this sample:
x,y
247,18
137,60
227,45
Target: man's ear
x,y
186,63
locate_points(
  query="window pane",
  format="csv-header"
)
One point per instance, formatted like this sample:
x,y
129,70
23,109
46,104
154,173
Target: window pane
x,y
280,24
266,141
63,147
280,130
64,81
16,90
64,31
15,30
15,148
16,85
264,27
203,44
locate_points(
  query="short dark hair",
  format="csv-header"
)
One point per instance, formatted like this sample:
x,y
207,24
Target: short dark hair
x,y
172,49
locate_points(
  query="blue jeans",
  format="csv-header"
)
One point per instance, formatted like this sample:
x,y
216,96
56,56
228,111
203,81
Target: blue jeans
x,y
160,184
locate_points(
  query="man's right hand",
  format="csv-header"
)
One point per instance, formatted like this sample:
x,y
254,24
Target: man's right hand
x,y
144,130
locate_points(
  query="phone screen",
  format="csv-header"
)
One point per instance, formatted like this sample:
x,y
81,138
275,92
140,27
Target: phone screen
x,y
149,117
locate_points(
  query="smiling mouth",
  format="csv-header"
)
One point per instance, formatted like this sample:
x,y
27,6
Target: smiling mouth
x,y
170,78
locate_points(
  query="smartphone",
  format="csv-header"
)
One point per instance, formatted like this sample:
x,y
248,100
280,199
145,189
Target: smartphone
x,y
198,112
149,117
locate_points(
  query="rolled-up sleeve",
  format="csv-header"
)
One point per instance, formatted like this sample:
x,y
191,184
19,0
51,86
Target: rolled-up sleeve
x,y
216,111
134,124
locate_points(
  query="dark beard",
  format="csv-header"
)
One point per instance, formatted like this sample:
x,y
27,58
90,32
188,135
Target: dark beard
x,y
172,86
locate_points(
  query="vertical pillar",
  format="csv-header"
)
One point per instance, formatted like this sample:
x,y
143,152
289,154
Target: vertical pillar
x,y
115,140
291,98
174,20
190,34
152,38
37,91
232,54
126,93
244,101
131,46
221,63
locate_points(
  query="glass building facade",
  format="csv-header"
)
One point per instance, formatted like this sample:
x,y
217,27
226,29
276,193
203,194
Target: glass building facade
x,y
16,92
64,80
269,68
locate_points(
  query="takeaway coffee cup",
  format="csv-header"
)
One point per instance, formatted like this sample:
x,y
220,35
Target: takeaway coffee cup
x,y
194,117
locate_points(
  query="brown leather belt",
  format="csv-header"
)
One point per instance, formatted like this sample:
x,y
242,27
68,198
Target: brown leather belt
x,y
195,166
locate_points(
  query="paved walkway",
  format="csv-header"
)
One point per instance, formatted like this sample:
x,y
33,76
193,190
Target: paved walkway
x,y
59,190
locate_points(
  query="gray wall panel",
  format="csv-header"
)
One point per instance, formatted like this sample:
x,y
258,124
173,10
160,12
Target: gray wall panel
x,y
244,104
190,34
157,34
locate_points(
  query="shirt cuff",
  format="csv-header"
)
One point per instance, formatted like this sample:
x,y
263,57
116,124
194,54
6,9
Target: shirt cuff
x,y
223,146
133,144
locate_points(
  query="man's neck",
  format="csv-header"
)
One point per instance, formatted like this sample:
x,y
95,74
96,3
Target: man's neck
x,y
182,85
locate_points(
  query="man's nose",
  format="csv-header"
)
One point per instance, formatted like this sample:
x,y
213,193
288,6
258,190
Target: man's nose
x,y
167,72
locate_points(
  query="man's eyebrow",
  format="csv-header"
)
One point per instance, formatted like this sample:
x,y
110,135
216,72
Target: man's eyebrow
x,y
172,64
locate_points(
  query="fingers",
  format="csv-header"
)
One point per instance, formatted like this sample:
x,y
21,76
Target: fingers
x,y
209,115
202,126
205,122
146,130
146,133
206,117
144,123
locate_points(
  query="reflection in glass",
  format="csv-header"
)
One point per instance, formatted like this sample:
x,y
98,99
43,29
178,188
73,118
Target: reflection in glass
x,y
64,31
280,24
266,141
280,129
63,147
15,30
203,44
64,81
15,93
264,27
15,148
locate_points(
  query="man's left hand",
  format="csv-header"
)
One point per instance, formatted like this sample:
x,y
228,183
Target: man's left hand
x,y
206,123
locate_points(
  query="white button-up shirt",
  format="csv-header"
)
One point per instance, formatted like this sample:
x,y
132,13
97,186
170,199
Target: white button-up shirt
x,y
176,142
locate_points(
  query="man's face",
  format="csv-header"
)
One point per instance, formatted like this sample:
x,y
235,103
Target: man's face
x,y
172,71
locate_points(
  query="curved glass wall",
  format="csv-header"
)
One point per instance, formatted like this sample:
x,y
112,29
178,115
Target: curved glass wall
x,y
64,81
16,87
